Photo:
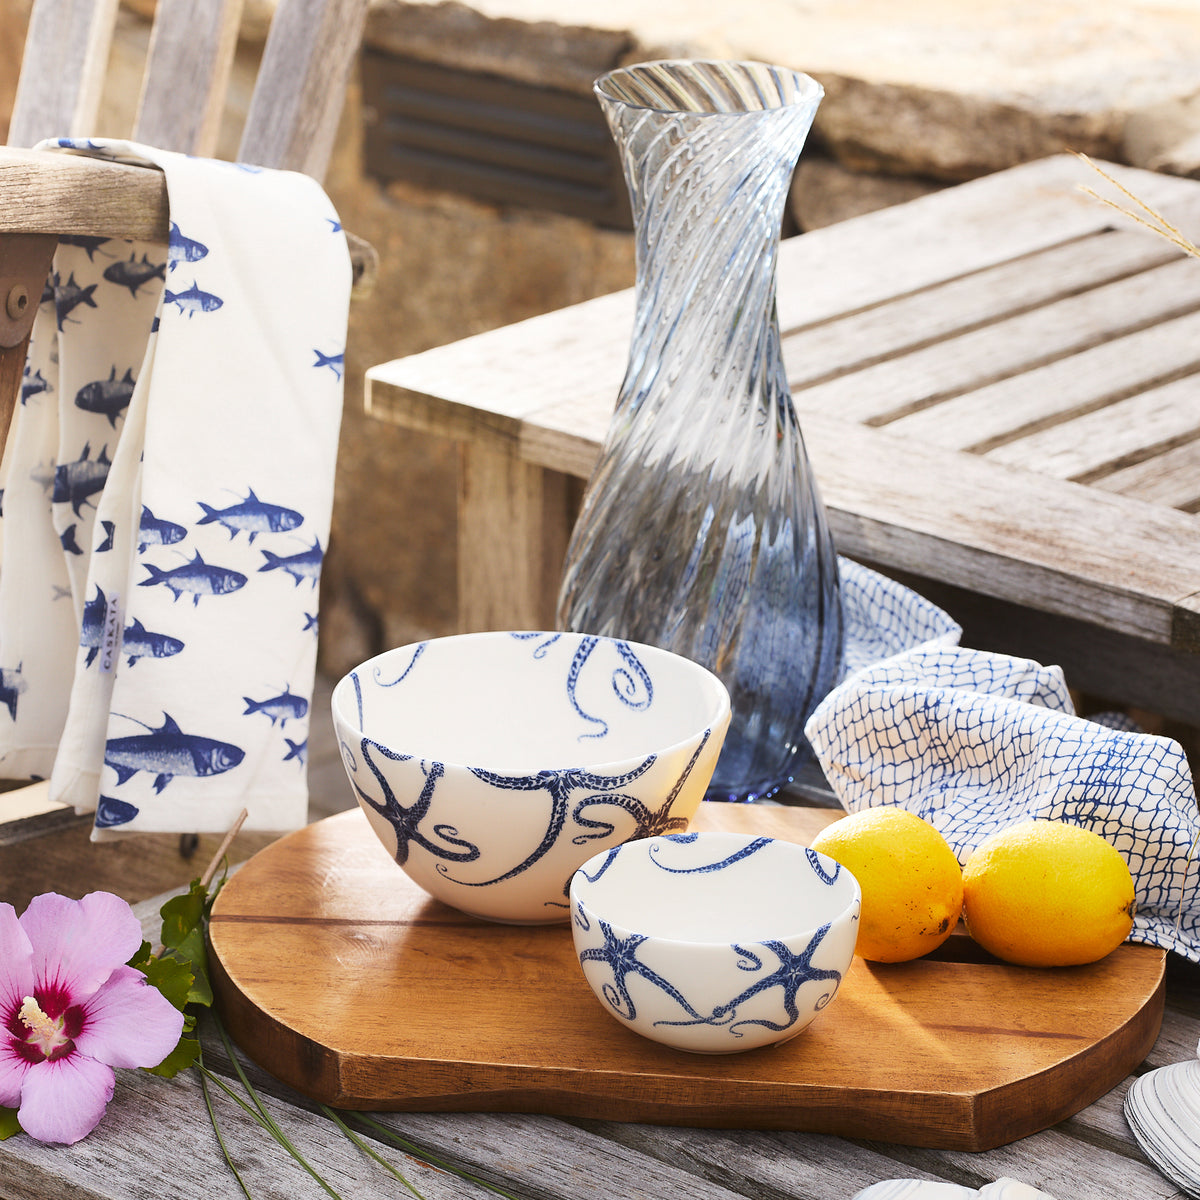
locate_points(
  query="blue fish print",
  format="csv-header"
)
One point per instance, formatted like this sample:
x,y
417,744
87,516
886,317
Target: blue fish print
x,y
198,577
193,301
109,396
296,750
91,632
305,565
67,540
110,811
252,515
310,619
139,642
109,530
133,274
90,244
33,384
153,532
48,289
282,708
168,751
335,362
11,687
75,481
182,249
69,296
336,225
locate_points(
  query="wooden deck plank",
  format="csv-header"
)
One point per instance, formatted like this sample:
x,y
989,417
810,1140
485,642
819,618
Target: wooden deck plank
x,y
828,349
1023,404
1112,437
1171,478
888,390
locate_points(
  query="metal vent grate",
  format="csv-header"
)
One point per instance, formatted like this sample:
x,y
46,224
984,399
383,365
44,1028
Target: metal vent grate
x,y
490,138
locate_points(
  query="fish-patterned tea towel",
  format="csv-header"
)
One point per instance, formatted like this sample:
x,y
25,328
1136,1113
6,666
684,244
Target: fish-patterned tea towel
x,y
194,565
975,742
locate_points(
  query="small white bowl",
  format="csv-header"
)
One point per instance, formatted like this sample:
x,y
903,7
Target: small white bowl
x,y
491,765
714,942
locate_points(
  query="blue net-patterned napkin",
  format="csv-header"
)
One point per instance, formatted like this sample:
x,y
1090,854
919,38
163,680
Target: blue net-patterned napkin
x,y
167,492
974,742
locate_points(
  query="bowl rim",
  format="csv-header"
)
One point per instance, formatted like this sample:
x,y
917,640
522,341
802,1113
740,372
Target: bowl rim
x,y
719,714
707,835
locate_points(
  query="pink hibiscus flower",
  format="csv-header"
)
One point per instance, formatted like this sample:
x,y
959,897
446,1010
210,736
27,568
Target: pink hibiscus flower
x,y
71,1011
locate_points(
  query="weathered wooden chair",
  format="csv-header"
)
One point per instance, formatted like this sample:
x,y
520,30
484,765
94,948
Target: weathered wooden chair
x,y
291,124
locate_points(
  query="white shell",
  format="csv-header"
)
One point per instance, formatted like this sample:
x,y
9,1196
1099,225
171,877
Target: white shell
x,y
926,1189
1163,1110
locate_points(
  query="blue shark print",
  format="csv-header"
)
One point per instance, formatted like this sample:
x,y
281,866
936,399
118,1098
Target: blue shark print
x,y
90,244
182,249
110,811
282,708
252,515
33,384
69,296
310,619
75,481
139,642
67,540
193,301
336,225
296,750
167,752
109,396
153,532
12,685
91,632
48,289
109,530
133,274
335,362
43,476
198,577
305,565
58,592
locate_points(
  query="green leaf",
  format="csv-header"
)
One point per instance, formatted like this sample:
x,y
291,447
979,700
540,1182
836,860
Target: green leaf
x,y
171,976
142,955
182,915
8,1123
185,1054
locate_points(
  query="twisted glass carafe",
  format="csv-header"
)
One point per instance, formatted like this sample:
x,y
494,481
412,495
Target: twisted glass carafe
x,y
701,529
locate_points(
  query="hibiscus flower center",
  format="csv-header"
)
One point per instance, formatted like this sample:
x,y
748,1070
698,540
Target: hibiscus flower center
x,y
47,1035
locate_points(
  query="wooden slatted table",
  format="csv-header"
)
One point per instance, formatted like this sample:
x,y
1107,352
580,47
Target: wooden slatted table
x,y
998,389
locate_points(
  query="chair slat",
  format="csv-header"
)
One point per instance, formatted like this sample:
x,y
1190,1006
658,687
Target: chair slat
x,y
187,74
293,118
62,72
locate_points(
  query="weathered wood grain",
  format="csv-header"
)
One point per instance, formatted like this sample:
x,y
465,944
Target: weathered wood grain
x,y
187,72
1171,478
297,102
909,382
62,70
1058,392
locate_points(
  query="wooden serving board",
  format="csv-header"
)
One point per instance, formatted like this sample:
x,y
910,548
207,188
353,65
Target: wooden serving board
x,y
342,978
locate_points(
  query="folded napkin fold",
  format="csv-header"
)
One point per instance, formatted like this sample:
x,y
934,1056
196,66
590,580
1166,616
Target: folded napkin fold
x,y
975,742
167,497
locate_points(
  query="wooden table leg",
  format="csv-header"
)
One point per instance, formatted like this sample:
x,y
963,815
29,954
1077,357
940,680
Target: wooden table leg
x,y
25,260
514,521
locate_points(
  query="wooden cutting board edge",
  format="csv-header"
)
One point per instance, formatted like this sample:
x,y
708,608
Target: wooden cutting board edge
x,y
963,1120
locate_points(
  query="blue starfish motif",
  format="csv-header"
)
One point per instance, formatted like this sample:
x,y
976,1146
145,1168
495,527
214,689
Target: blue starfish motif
x,y
649,823
793,972
560,785
620,954
406,821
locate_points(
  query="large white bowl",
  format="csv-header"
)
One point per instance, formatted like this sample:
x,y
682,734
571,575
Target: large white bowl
x,y
491,765
714,942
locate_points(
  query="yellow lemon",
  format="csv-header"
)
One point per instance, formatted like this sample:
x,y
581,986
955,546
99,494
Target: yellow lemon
x,y
910,880
1047,894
